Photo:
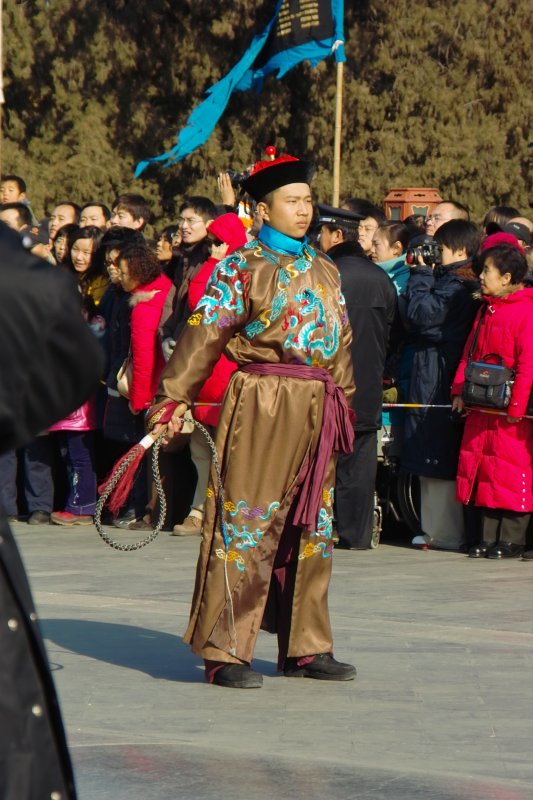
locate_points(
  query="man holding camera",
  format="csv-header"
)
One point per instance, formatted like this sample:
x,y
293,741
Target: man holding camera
x,y
440,310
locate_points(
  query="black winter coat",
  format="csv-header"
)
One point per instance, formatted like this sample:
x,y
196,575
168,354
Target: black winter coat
x,y
440,310
50,363
371,302
119,424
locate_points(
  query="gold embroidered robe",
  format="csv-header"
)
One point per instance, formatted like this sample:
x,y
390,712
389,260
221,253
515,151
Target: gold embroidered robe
x,y
261,306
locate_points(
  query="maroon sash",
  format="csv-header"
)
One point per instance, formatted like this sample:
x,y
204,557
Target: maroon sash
x,y
336,436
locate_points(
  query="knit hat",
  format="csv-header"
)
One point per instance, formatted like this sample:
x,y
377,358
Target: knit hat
x,y
499,239
267,176
228,228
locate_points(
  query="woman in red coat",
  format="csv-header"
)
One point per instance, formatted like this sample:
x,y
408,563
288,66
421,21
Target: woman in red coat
x,y
226,233
495,470
140,275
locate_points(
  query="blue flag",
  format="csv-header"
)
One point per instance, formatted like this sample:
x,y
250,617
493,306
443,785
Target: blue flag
x,y
300,30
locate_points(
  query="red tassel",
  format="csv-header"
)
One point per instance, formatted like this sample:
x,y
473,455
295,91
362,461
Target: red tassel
x,y
120,492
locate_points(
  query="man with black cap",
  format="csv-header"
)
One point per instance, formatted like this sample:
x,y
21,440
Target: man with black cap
x,y
274,307
522,228
371,305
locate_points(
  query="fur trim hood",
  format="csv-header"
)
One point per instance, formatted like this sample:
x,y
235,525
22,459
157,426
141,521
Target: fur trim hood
x,y
142,297
147,292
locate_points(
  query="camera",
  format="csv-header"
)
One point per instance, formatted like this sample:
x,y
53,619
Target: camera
x,y
425,248
237,178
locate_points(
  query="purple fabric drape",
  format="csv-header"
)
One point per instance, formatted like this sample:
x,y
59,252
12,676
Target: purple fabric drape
x,y
336,436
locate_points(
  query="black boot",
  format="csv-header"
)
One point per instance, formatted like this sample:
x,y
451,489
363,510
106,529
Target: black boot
x,y
323,668
238,676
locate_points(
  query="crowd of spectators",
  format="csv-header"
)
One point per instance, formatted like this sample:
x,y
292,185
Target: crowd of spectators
x,y
449,278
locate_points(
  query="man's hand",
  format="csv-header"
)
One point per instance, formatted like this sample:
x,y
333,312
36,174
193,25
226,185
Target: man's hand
x,y
227,192
174,426
458,404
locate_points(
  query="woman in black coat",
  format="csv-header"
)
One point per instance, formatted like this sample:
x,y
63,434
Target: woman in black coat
x,y
439,311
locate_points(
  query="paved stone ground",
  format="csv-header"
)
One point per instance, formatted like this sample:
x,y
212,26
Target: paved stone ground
x,y
441,708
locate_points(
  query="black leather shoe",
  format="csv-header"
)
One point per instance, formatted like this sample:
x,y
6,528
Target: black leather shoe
x,y
527,555
481,550
505,550
238,676
323,668
39,518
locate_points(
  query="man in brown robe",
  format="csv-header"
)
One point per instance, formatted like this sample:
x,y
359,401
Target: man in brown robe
x,y
276,309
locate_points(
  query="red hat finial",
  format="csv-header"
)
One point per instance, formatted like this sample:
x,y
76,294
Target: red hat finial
x,y
271,152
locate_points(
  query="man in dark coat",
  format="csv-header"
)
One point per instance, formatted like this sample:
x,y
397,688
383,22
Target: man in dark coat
x,y
195,215
371,306
440,309
49,364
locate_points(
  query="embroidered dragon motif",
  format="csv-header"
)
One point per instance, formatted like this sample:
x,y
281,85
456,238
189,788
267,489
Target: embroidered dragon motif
x,y
225,292
319,336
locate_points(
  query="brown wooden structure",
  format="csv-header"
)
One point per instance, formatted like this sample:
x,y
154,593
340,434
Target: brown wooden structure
x,y
401,203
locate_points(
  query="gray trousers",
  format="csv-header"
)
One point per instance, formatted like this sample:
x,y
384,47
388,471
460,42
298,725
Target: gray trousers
x,y
502,525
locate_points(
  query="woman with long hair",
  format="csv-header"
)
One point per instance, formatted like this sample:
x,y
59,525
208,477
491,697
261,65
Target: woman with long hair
x,y
75,433
61,244
165,249
87,259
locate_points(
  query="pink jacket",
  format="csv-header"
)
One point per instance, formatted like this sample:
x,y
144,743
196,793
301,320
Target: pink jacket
x,y
147,303
83,419
496,459
228,228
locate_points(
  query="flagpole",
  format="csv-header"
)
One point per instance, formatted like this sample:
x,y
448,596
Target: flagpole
x,y
338,135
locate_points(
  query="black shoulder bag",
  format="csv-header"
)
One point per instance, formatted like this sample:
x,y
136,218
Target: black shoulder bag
x,y
488,382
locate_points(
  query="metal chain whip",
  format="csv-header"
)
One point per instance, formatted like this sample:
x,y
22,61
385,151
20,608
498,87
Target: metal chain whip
x,y
119,472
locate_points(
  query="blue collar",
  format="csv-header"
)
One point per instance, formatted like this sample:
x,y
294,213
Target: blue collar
x,y
277,241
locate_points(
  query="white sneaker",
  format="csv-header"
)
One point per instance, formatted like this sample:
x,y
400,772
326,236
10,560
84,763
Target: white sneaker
x,y
422,542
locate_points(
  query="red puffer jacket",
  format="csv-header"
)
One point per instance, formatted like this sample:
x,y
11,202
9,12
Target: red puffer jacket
x,y
496,459
146,302
227,228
